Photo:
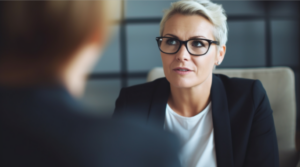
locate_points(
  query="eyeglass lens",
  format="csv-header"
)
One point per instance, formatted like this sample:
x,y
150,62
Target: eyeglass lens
x,y
196,46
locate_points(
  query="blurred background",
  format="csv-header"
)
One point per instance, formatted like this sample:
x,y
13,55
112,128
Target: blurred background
x,y
261,34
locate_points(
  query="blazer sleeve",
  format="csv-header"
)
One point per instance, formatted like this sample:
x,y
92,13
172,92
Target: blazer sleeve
x,y
262,148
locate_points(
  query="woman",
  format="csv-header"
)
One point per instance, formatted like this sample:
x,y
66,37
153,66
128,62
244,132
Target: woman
x,y
220,121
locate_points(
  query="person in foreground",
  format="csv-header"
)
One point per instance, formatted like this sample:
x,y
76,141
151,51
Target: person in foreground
x,y
220,121
46,51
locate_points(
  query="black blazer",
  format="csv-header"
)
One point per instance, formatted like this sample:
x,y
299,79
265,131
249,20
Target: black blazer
x,y
46,127
242,118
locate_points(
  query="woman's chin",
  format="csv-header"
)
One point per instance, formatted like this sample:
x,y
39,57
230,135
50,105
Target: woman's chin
x,y
181,83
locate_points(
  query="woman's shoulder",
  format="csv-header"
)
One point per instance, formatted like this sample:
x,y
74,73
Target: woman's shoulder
x,y
242,91
139,97
235,81
236,85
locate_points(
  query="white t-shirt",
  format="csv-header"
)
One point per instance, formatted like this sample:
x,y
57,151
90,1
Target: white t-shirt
x,y
196,135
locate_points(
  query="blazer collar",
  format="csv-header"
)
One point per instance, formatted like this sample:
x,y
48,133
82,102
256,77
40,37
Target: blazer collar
x,y
220,113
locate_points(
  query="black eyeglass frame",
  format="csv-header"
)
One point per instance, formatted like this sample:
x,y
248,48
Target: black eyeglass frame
x,y
185,43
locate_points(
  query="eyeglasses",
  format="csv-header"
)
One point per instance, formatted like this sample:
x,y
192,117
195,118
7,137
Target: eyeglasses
x,y
196,47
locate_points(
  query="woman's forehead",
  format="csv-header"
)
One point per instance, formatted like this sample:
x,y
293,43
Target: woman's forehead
x,y
187,26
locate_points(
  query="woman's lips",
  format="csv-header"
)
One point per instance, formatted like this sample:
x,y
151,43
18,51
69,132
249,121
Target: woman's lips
x,y
182,71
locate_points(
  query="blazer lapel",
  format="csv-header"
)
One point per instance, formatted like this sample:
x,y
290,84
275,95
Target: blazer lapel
x,y
158,105
221,122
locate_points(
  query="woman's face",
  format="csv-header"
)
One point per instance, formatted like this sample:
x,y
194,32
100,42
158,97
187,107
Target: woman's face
x,y
185,27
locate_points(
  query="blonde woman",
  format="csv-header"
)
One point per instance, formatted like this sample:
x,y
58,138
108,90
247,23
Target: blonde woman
x,y
220,121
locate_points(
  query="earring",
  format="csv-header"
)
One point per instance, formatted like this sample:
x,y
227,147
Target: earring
x,y
218,63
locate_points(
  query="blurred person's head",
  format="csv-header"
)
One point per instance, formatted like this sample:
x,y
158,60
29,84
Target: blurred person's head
x,y
203,25
51,41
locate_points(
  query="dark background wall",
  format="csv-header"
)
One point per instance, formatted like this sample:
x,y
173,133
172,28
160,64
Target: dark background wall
x,y
261,34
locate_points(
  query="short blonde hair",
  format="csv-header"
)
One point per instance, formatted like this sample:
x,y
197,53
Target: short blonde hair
x,y
211,11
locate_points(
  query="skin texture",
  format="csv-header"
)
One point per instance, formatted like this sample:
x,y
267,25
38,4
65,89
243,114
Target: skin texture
x,y
190,92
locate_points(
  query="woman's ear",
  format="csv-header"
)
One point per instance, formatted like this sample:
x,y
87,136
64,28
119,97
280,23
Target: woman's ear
x,y
220,55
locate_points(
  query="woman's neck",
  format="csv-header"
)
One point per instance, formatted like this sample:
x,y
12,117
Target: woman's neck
x,y
189,102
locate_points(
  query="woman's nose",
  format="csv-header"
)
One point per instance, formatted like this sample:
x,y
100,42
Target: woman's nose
x,y
183,54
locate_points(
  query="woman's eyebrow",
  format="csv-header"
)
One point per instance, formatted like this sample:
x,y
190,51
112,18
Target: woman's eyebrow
x,y
172,35
193,37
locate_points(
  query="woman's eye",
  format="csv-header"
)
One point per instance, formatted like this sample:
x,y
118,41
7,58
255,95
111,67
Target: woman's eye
x,y
171,42
197,44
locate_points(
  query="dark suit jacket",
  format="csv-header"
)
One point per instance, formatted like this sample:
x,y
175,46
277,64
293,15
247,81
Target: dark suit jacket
x,y
242,118
45,126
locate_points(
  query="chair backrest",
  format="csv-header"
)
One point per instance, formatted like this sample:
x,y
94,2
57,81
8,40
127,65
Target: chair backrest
x,y
279,84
